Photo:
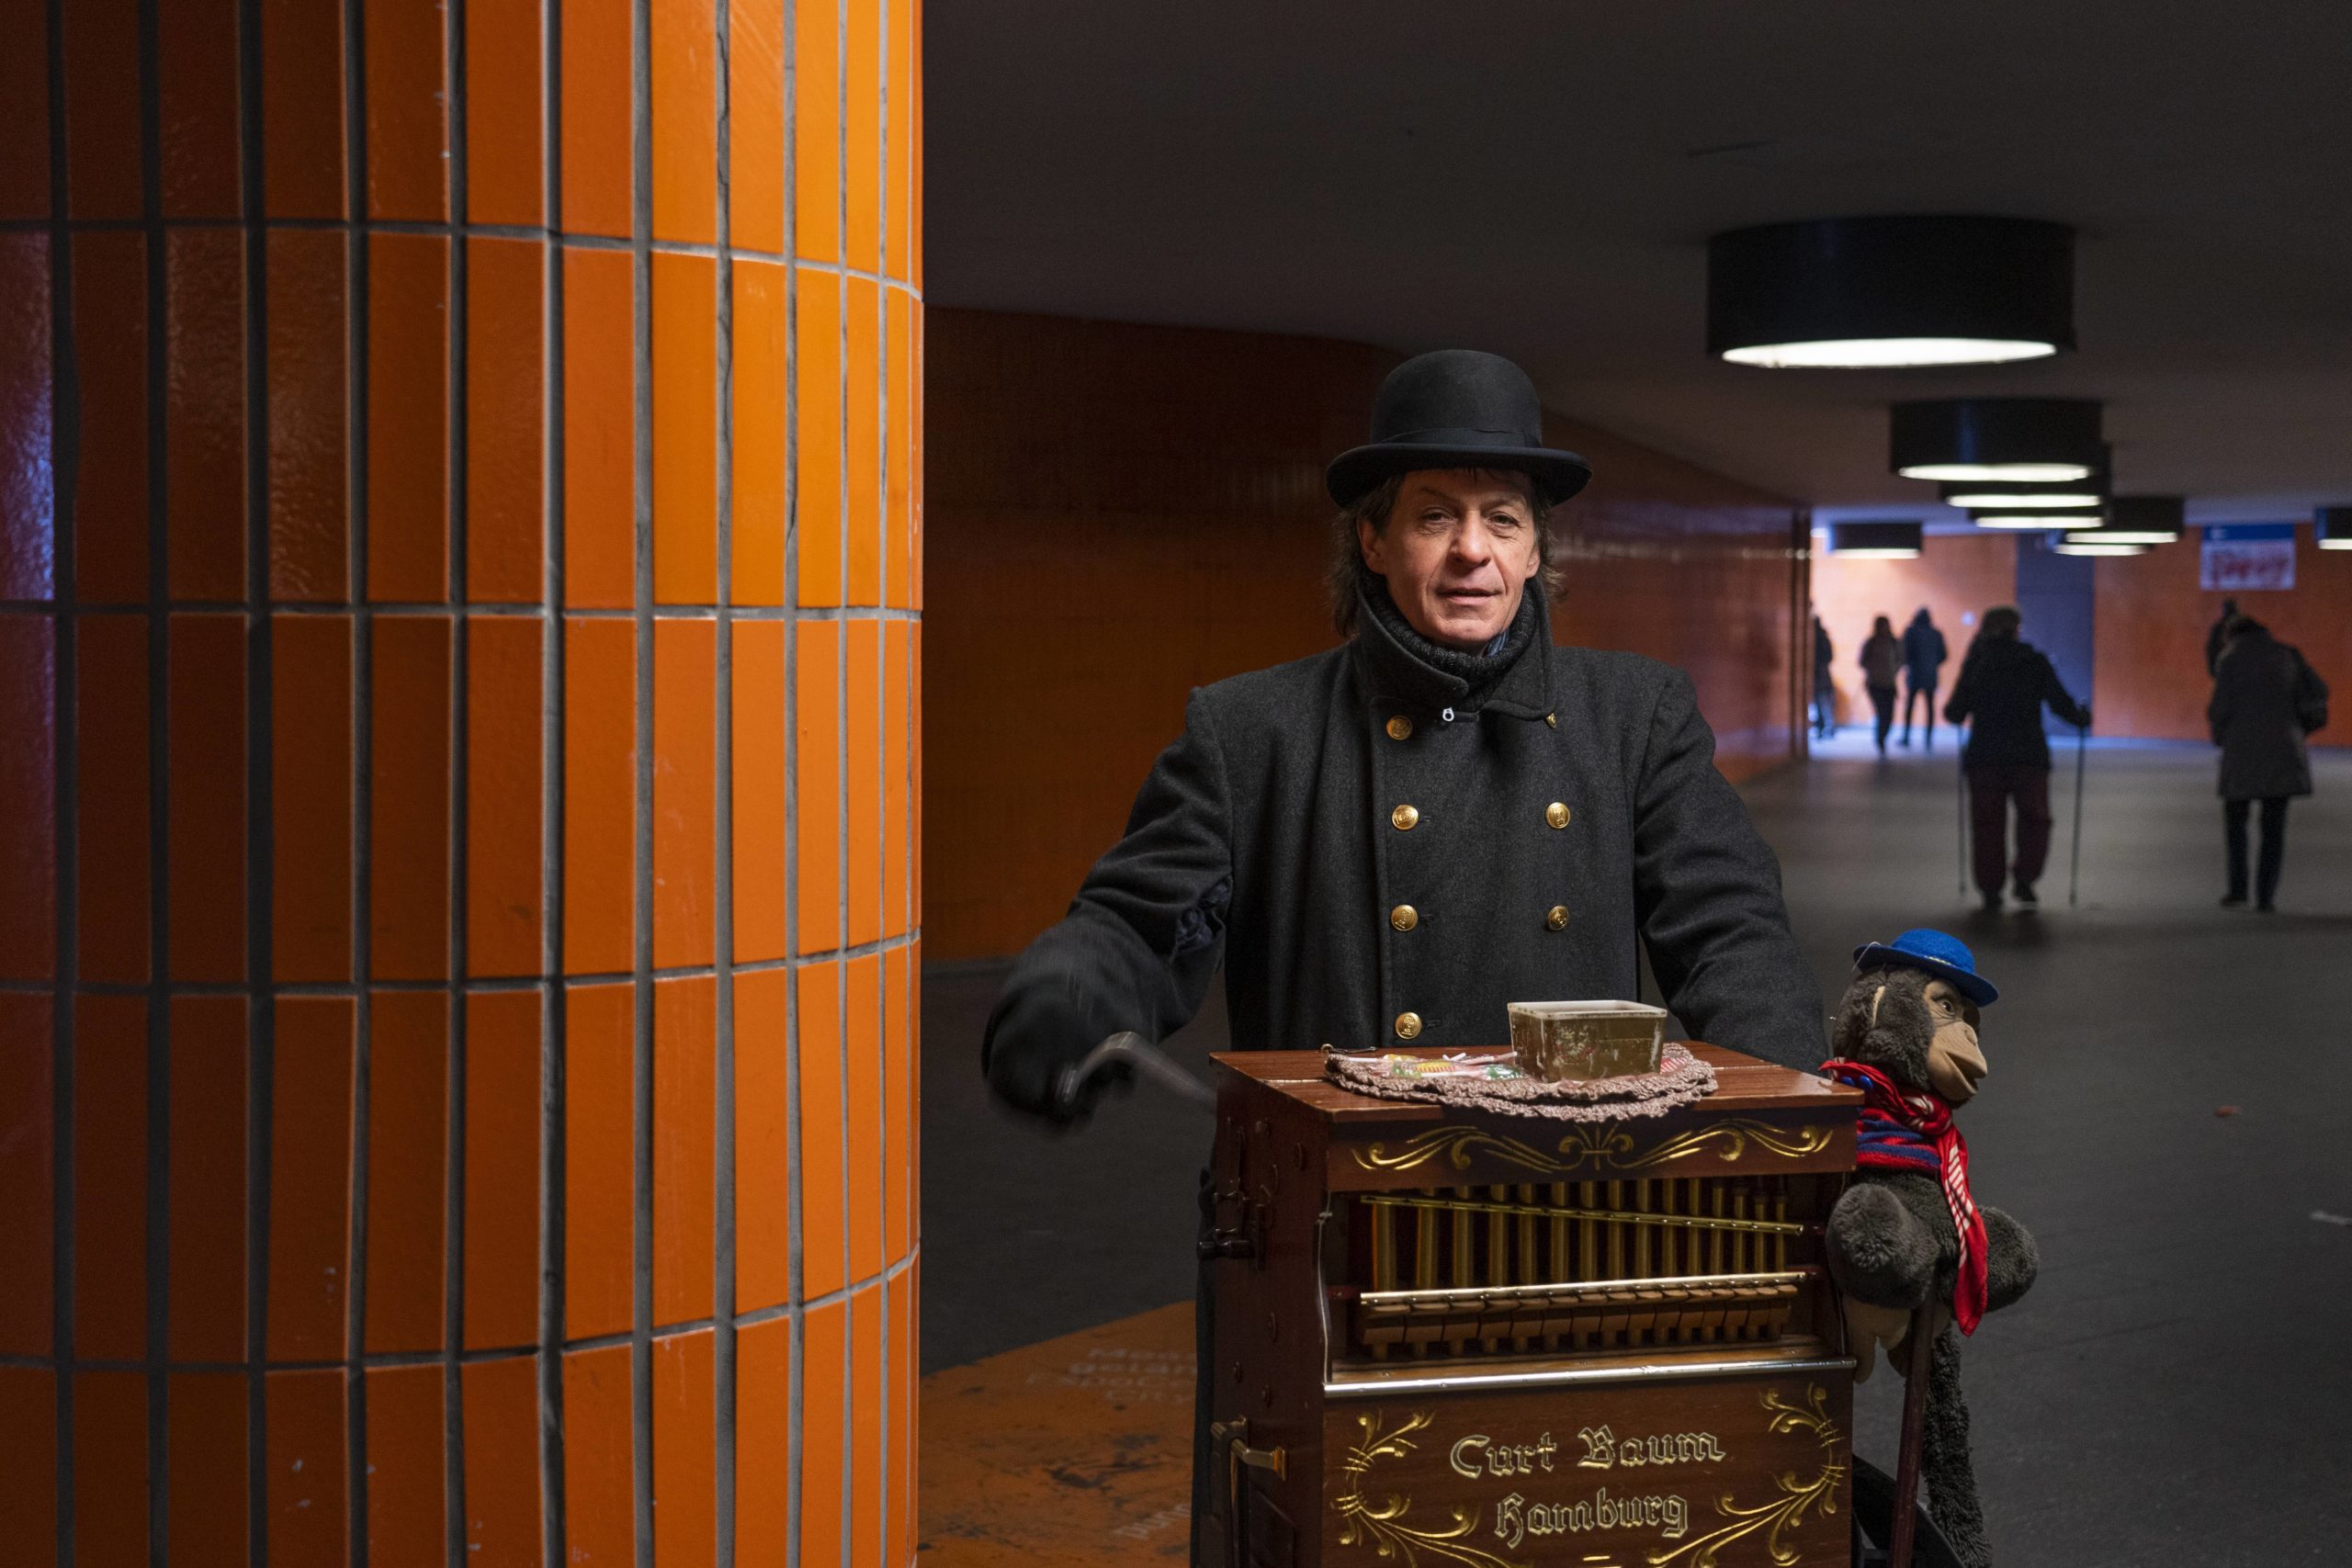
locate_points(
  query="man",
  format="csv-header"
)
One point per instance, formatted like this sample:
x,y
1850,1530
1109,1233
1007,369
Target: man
x,y
1389,841
2003,685
1825,685
2217,636
1923,663
2267,700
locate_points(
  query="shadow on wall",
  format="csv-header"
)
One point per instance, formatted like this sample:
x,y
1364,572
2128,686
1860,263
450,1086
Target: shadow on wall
x,y
1115,513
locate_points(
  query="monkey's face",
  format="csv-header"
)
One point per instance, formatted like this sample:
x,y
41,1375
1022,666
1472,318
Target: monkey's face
x,y
1919,1029
1956,1061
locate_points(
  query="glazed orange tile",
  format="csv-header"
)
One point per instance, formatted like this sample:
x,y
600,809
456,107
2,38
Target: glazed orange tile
x,y
24,120
599,1161
408,824
408,1154
505,289
817,783
763,1442
682,75
861,1083
501,1447
599,425
824,1431
758,438
310,1179
204,419
28,797
898,436
408,128
816,133
861,744
408,414
27,415
304,1493
599,795
898,981
111,1470
686,430
301,109
599,1489
309,550
685,1148
899,1476
898,784
865,1430
755,125
762,894
102,110
914,144
862,136
204,1468
685,1459
501,1196
898,141
204,1183
207,777
110,1177
863,469
503,162
817,436
502,795
597,179
824,1162
111,839
914,468
686,693
310,769
197,72
110,468
914,772
28,1162
763,1140
406,1438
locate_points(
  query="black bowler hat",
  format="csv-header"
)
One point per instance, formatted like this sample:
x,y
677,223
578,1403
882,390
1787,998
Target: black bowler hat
x,y
1457,409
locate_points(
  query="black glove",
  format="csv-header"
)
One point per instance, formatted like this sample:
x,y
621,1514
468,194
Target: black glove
x,y
1035,1040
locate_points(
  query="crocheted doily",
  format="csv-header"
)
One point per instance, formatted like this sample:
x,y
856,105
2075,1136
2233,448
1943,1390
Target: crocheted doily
x,y
1680,1078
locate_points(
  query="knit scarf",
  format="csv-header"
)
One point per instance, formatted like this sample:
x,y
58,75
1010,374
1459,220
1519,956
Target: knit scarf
x,y
1916,1132
1483,670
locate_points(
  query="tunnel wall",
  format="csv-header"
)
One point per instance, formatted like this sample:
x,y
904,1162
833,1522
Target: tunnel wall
x,y
460,588
1120,512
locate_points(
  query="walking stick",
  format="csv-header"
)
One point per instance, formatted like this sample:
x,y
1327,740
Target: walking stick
x,y
1960,793
1915,1421
2074,876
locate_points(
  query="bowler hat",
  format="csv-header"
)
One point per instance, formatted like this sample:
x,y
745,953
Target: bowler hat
x,y
1457,409
1932,953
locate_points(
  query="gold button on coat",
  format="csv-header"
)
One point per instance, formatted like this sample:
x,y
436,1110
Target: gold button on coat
x,y
1557,920
1404,816
1408,1025
1404,917
1552,719
1400,728
1557,815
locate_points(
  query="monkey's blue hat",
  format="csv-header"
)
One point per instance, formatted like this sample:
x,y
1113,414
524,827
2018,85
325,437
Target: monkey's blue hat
x,y
1932,952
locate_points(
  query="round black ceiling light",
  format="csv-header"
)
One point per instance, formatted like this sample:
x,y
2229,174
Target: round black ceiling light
x,y
2141,520
1887,541
1876,293
1984,495
2038,522
2012,440
2333,525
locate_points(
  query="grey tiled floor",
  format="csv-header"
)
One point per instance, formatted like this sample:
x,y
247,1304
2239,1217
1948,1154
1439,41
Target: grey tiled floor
x,y
2178,1387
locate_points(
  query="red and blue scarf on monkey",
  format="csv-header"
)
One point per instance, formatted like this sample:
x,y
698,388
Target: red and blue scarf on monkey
x,y
1916,1132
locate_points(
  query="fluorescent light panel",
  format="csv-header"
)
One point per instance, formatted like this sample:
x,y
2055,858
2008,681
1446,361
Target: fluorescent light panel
x,y
2036,522
1888,353
2077,548
2013,500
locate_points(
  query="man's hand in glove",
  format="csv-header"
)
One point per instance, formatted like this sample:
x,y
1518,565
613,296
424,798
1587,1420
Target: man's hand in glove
x,y
1034,1042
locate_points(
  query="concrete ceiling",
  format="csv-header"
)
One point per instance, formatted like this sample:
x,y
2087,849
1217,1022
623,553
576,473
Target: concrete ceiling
x,y
1539,177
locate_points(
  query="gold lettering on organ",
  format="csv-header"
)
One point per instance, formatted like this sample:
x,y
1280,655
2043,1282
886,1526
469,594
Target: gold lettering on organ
x,y
1479,1456
1605,1450
1516,1518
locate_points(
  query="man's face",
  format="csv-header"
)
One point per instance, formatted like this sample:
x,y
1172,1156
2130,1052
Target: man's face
x,y
1457,552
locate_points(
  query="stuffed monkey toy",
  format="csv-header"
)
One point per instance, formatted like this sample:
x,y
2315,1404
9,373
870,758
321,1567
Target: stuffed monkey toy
x,y
1908,1231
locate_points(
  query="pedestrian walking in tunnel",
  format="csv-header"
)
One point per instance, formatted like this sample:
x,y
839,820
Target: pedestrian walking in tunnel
x,y
1882,662
1923,666
1824,685
2217,636
2004,684
2266,701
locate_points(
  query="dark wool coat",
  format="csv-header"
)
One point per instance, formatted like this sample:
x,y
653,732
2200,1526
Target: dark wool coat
x,y
1923,652
2003,683
2266,699
1574,812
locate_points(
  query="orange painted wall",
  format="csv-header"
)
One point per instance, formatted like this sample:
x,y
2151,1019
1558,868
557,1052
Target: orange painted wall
x,y
458,874
1955,575
1117,513
2151,627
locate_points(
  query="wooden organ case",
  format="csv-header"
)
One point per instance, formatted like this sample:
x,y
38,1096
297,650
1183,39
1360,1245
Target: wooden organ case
x,y
1444,1337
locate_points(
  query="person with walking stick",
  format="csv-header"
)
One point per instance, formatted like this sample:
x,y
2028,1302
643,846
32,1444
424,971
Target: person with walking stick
x,y
2003,685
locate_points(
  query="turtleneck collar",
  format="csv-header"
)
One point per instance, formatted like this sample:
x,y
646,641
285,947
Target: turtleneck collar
x,y
1401,663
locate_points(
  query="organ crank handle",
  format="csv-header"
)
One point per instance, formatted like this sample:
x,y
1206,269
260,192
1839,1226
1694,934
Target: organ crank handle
x,y
1147,1061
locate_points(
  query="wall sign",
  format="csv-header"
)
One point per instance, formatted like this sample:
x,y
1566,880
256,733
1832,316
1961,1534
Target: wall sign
x,y
2240,557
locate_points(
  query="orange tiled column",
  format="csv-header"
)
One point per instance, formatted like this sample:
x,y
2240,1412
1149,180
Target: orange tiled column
x,y
458,645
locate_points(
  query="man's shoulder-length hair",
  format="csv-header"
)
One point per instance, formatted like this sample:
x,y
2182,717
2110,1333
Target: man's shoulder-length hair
x,y
1343,576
